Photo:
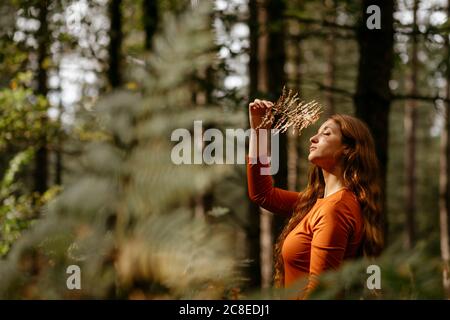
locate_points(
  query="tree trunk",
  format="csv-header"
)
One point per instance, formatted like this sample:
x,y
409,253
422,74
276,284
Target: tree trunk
x,y
43,39
294,143
266,239
373,95
150,20
410,135
276,58
330,44
270,78
115,44
59,138
253,271
444,179
301,178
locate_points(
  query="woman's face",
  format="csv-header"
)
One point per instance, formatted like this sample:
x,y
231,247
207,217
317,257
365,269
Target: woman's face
x,y
326,146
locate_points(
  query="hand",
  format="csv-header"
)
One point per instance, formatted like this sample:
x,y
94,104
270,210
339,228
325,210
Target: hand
x,y
257,111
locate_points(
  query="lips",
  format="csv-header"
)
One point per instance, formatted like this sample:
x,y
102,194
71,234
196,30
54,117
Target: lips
x,y
312,148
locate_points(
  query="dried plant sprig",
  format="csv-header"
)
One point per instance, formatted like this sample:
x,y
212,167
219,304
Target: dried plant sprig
x,y
290,111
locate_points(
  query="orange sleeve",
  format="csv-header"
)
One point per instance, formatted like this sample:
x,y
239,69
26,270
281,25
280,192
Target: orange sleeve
x,y
262,192
331,231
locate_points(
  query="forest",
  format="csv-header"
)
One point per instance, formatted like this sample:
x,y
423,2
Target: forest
x,y
122,169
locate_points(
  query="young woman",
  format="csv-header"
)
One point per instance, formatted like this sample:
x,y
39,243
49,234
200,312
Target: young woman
x,y
338,215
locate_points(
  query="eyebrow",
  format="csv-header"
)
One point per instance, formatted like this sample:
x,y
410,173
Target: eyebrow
x,y
325,128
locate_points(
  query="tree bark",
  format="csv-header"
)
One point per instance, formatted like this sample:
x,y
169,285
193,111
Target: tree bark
x,y
373,96
276,59
43,39
115,43
150,19
253,270
410,121
444,180
266,239
59,139
298,85
330,43
294,143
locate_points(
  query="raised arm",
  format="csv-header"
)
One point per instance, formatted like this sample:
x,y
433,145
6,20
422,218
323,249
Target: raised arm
x,y
262,192
260,187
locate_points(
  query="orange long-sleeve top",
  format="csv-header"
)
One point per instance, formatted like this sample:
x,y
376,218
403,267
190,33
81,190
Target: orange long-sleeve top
x,y
329,233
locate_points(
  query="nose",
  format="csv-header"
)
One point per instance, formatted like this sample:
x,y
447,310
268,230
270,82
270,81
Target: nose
x,y
313,139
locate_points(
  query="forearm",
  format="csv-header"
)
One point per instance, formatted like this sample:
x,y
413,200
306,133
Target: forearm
x,y
259,144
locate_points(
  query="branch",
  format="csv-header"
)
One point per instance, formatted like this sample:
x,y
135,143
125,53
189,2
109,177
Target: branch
x,y
340,91
350,94
398,26
418,97
322,23
320,34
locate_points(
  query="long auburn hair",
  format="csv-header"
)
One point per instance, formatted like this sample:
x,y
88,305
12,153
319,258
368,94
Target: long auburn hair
x,y
360,175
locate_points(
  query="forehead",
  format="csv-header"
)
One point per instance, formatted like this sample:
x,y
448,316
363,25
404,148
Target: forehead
x,y
329,124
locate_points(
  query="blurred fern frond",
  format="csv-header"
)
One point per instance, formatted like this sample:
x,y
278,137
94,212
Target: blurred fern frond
x,y
127,219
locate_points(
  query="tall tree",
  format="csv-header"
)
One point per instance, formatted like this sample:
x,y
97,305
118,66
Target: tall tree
x,y
276,59
373,95
444,177
330,74
266,238
43,40
150,20
410,135
115,43
268,72
254,218
294,58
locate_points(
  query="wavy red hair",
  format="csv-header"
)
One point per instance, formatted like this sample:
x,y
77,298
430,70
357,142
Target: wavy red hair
x,y
360,175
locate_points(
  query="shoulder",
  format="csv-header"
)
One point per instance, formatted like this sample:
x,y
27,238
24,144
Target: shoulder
x,y
343,209
347,201
343,201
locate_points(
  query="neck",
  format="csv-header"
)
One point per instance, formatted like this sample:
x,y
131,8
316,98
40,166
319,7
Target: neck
x,y
333,180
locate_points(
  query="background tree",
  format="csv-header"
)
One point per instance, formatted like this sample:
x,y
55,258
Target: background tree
x,y
373,96
115,43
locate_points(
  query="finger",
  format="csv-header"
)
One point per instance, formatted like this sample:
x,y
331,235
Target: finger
x,y
266,104
256,105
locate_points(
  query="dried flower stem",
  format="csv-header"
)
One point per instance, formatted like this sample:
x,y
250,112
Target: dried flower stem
x,y
291,112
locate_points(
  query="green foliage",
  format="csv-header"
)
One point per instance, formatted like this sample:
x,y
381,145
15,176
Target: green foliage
x,y
405,274
14,210
126,220
22,115
18,210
